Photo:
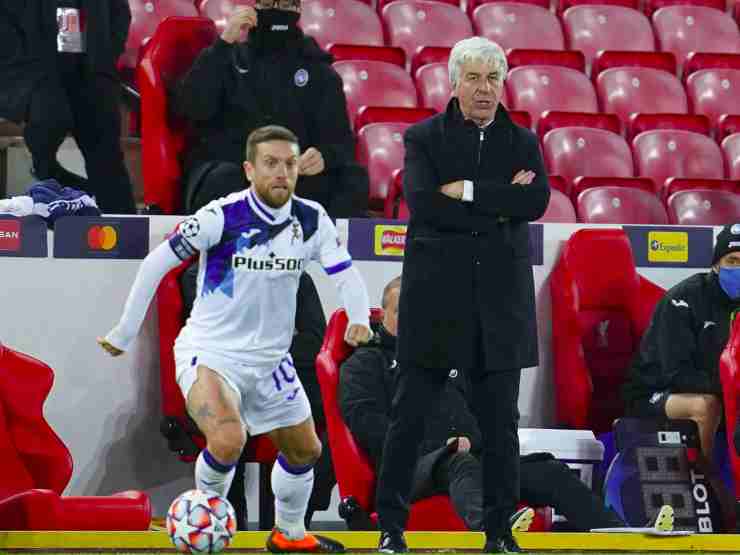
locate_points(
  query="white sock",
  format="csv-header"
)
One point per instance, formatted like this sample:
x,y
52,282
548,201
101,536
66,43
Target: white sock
x,y
292,487
211,475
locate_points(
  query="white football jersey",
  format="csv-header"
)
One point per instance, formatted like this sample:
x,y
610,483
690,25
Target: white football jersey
x,y
251,259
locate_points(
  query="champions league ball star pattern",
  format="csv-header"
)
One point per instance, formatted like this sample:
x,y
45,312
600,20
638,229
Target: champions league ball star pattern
x,y
200,522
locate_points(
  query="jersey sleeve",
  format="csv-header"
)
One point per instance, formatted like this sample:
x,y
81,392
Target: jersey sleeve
x,y
329,251
198,232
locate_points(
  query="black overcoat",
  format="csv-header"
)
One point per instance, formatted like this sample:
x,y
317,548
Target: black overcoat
x,y
444,320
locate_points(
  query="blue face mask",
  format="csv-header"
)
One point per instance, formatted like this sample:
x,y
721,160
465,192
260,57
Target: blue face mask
x,y
729,280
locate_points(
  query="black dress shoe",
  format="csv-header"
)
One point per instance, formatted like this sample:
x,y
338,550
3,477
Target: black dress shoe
x,y
392,542
502,544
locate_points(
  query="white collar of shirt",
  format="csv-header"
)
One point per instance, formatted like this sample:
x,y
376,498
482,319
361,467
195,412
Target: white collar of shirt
x,y
272,216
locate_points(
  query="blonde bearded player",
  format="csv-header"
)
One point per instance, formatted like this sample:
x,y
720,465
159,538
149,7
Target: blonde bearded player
x,y
232,355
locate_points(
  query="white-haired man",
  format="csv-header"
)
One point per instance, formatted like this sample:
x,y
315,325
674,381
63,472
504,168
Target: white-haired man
x,y
473,180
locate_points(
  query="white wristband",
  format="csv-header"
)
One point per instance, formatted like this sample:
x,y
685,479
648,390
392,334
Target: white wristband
x,y
467,191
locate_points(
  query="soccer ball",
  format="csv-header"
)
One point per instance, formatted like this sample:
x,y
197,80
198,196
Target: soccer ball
x,y
201,522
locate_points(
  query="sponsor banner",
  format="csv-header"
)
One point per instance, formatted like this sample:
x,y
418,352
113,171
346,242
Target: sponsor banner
x,y
386,240
671,247
23,237
118,238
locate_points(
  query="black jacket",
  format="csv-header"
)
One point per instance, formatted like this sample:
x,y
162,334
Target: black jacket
x,y
28,47
453,244
366,387
231,90
680,350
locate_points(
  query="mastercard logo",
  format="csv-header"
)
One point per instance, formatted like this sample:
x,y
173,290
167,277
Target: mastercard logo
x,y
102,237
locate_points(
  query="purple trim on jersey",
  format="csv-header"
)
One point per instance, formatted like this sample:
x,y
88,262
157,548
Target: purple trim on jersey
x,y
295,470
331,270
214,464
260,207
181,246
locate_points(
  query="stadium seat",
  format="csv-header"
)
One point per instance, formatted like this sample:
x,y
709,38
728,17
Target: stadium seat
x,y
731,151
703,207
471,5
728,125
559,209
729,372
553,119
688,122
412,24
714,92
651,6
709,60
583,151
517,25
580,184
563,5
383,3
558,182
521,118
390,54
620,205
429,55
675,184
395,205
537,89
37,465
164,140
665,153
390,114
341,21
601,307
528,57
685,29
369,83
628,90
433,86
628,58
380,149
219,10
593,28
355,474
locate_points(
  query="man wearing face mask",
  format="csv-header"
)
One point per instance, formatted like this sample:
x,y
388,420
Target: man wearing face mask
x,y
263,70
675,374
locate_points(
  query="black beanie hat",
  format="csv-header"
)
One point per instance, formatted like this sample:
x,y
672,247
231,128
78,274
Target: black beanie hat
x,y
728,241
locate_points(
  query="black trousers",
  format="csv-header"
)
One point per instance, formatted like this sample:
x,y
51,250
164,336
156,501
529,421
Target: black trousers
x,y
495,396
87,107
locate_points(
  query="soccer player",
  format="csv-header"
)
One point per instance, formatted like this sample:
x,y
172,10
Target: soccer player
x,y
232,355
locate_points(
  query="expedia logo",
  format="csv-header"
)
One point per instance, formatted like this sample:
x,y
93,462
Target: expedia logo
x,y
102,237
274,264
390,240
668,246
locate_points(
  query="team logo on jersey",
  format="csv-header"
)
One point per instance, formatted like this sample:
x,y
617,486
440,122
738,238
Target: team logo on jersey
x,y
190,228
271,263
297,233
300,78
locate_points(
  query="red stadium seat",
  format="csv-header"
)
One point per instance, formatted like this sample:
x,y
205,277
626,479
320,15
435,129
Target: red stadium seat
x,y
559,209
688,122
164,140
593,28
563,5
219,10
601,307
728,125
341,21
521,118
704,207
517,25
538,89
651,6
620,205
471,5
583,151
412,24
707,60
37,465
369,83
429,55
675,184
355,474
580,184
389,114
145,17
383,3
626,58
558,182
628,90
528,57
395,205
714,92
729,372
731,150
685,29
380,149
390,54
665,153
433,86
554,119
